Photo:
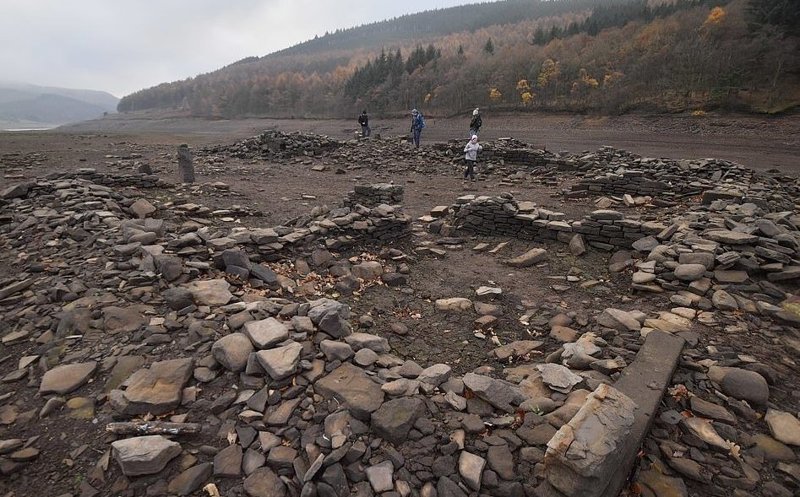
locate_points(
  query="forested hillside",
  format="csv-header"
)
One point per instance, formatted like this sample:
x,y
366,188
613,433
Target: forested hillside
x,y
607,56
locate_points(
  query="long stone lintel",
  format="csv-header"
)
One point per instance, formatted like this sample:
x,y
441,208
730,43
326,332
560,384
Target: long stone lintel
x,y
592,455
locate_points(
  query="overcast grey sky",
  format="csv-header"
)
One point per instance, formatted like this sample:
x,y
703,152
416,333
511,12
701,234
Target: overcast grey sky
x,y
121,46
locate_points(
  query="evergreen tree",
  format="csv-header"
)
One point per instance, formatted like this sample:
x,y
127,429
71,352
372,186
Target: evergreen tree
x,y
539,38
489,47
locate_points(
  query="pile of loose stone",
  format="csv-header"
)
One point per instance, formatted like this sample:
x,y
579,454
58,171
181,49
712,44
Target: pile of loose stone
x,y
723,251
615,172
271,145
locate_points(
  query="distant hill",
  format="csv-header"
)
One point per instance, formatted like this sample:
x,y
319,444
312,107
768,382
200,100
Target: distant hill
x,y
599,56
30,106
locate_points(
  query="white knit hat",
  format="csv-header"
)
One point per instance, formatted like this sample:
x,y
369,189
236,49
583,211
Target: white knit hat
x,y
475,112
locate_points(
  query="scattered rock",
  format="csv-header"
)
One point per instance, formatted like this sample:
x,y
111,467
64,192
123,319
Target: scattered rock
x,y
232,351
66,378
529,258
783,426
746,385
144,455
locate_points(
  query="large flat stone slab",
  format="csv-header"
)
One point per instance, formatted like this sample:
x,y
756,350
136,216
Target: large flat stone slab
x,y
144,455
66,378
783,426
266,333
731,237
210,292
351,386
280,362
157,390
123,319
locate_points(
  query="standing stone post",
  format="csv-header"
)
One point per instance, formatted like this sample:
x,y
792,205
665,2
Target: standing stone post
x,y
185,167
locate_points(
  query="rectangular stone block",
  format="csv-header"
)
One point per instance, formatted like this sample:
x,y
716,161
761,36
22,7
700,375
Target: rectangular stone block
x,y
586,451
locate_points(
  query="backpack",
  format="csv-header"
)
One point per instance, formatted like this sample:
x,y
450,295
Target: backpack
x,y
421,121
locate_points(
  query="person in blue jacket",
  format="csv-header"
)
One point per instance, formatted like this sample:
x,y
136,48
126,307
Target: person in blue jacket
x,y
417,123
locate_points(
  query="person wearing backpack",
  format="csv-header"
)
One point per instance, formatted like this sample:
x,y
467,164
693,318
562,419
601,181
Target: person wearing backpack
x,y
363,120
417,123
476,122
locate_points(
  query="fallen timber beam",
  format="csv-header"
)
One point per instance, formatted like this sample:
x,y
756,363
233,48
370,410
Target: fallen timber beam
x,y
153,428
592,455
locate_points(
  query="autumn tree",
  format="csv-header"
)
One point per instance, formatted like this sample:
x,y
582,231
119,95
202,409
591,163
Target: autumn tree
x,y
714,21
548,75
524,90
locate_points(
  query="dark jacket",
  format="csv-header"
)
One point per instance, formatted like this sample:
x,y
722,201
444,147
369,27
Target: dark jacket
x,y
417,122
476,123
363,120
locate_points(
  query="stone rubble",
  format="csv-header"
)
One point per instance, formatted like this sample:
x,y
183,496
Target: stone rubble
x,y
127,309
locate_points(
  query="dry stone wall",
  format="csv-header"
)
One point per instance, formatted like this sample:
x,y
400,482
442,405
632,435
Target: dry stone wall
x,y
375,195
505,216
137,180
630,182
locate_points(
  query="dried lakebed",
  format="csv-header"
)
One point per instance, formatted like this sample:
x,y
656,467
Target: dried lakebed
x,y
164,339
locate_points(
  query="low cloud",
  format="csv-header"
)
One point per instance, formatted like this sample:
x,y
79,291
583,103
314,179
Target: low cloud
x,y
122,46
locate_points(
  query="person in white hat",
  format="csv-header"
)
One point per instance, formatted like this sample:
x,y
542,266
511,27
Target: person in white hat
x,y
476,122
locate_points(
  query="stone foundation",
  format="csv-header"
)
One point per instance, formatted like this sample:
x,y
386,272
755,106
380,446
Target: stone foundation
x,y
505,216
375,195
137,180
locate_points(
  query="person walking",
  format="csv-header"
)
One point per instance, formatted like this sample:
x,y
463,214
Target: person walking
x,y
476,122
417,123
471,157
363,120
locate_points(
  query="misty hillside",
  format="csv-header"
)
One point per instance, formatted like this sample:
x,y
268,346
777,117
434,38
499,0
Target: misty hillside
x,y
600,56
27,106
